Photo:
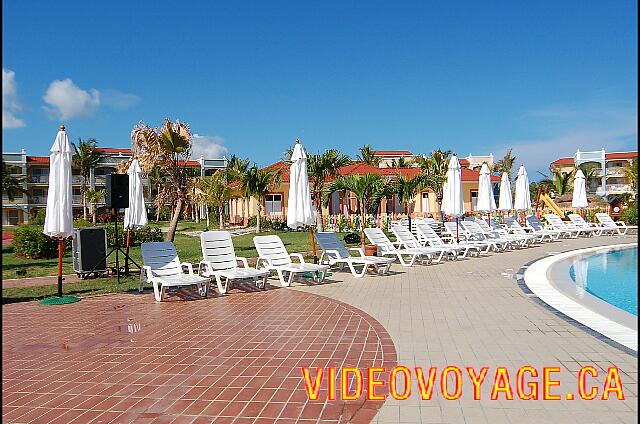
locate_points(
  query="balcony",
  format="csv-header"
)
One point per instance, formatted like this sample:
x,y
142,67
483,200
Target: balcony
x,y
38,200
619,188
100,179
615,172
76,199
38,179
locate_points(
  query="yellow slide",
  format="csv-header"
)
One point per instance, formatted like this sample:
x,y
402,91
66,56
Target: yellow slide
x,y
548,201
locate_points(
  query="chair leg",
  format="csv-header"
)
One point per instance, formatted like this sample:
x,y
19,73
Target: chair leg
x,y
158,291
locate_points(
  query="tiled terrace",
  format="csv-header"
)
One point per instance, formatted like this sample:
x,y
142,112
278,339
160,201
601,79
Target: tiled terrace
x,y
126,358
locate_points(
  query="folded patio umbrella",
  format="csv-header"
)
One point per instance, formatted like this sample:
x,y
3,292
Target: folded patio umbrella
x,y
486,202
300,210
579,199
58,222
135,216
453,202
523,195
505,201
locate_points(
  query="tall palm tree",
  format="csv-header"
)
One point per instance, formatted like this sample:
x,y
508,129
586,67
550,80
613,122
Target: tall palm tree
x,y
506,163
434,172
216,192
368,156
11,185
631,172
590,171
559,182
321,168
93,198
169,147
407,189
157,178
400,163
237,170
86,158
259,183
366,188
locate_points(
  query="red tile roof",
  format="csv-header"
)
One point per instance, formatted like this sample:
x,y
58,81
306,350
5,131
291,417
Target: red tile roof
x,y
463,162
621,155
38,159
563,161
123,150
392,153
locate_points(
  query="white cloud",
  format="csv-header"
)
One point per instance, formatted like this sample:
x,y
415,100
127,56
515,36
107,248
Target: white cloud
x,y
119,100
10,103
66,100
211,147
566,128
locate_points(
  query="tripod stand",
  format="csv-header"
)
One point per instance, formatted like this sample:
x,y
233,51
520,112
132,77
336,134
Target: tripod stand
x,y
118,249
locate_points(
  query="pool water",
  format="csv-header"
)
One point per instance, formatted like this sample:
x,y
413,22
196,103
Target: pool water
x,y
612,276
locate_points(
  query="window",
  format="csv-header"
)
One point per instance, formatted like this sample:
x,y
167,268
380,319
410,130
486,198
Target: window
x,y
474,199
273,204
11,217
425,202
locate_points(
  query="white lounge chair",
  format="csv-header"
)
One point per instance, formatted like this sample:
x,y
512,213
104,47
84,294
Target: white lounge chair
x,y
220,262
619,226
452,230
334,252
556,222
386,248
408,241
163,269
273,256
428,237
498,244
579,222
513,225
539,227
495,230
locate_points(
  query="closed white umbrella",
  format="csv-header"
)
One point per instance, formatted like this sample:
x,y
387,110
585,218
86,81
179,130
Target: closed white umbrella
x,y
453,200
523,195
505,202
135,216
579,199
300,210
486,202
58,221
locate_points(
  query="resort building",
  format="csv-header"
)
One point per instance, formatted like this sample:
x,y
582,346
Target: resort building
x,y
275,203
33,171
609,178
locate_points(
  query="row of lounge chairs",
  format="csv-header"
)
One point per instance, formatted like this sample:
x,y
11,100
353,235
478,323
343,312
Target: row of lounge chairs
x,y
471,237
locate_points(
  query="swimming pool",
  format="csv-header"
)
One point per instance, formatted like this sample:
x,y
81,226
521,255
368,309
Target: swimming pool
x,y
611,276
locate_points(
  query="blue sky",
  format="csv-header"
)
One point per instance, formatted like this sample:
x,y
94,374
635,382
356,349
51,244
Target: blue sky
x,y
542,77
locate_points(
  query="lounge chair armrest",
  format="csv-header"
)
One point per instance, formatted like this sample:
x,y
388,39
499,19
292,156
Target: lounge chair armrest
x,y
202,266
620,223
189,266
262,259
244,261
148,272
297,255
397,244
358,249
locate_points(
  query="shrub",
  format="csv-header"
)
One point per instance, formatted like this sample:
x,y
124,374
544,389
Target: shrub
x,y
111,234
38,217
81,222
146,234
629,215
30,242
165,213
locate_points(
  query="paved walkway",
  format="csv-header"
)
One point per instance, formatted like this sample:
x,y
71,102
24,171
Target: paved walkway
x,y
472,313
129,359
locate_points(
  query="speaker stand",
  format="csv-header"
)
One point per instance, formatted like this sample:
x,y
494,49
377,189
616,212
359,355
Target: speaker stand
x,y
118,249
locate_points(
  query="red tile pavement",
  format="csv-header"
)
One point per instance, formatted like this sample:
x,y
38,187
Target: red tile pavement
x,y
126,358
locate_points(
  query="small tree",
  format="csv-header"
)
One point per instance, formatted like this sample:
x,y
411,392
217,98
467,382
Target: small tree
x,y
216,193
93,198
321,168
86,158
407,189
11,185
434,172
367,155
506,163
258,184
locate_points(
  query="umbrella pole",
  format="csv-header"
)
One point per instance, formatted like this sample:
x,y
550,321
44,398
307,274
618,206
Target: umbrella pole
x,y
126,256
313,246
457,232
60,253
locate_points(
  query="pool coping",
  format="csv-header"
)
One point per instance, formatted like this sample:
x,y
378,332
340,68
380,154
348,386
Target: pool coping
x,y
536,277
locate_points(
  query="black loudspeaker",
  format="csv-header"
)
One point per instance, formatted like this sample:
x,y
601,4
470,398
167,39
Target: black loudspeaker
x,y
117,191
89,250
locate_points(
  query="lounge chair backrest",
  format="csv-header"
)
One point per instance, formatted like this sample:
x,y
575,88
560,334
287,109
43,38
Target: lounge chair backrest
x,y
378,237
329,241
482,224
471,227
271,247
217,249
404,235
451,228
512,222
578,220
535,222
426,232
606,220
162,258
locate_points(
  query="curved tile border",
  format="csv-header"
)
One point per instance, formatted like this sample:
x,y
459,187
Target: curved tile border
x,y
534,276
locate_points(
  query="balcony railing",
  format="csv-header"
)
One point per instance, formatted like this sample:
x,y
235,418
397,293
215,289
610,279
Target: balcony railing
x,y
38,200
38,179
76,199
615,172
619,188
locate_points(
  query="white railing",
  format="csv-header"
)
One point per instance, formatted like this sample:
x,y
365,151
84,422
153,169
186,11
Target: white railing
x,y
619,188
100,179
615,172
76,199
76,179
38,200
38,179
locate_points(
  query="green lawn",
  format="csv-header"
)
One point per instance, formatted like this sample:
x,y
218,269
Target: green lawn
x,y
188,249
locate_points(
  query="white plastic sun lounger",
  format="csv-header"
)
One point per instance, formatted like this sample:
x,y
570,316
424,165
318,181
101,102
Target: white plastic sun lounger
x,y
163,269
538,226
579,222
428,237
513,225
556,222
334,252
506,232
619,226
386,248
498,243
466,237
273,256
408,241
220,261
497,232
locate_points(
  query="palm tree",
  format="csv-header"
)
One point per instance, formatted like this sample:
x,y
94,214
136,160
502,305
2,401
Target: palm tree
x,y
258,183
631,172
368,156
320,168
86,157
94,197
11,185
237,170
400,163
169,147
216,193
434,172
506,163
407,189
157,178
590,171
367,189
559,182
